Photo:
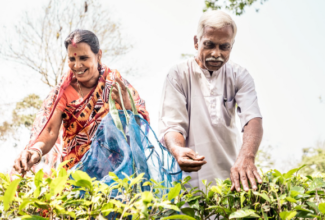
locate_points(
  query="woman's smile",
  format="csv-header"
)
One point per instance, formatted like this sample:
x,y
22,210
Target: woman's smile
x,y
80,72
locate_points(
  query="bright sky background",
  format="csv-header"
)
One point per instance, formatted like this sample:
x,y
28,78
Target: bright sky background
x,y
282,46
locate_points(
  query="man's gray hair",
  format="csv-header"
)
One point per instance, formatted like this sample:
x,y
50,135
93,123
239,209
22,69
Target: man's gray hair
x,y
215,19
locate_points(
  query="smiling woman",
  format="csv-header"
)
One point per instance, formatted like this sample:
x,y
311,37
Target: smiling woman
x,y
80,101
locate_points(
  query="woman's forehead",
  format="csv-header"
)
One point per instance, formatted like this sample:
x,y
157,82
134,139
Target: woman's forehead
x,y
81,48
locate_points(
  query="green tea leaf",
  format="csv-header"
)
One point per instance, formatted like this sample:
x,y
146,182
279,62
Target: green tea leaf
x,y
186,179
179,217
57,185
38,179
174,191
62,165
321,207
313,205
137,179
302,208
263,195
10,194
26,202
243,214
290,199
188,211
147,196
288,215
84,183
62,172
242,198
293,171
316,183
32,217
42,205
113,176
216,189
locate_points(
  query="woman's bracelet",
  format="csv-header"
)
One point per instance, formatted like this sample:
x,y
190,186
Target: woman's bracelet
x,y
39,151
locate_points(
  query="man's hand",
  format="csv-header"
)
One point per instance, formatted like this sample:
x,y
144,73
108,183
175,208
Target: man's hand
x,y
244,167
186,158
244,170
26,160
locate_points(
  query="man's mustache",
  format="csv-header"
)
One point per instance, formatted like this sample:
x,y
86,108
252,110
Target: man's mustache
x,y
218,59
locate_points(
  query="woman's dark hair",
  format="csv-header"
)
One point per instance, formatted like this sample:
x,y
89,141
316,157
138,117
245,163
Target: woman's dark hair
x,y
85,36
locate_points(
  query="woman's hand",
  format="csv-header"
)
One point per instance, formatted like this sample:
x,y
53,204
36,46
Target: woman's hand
x,y
125,95
26,160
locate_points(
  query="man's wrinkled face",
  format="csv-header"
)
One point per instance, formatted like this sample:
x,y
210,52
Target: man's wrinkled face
x,y
214,47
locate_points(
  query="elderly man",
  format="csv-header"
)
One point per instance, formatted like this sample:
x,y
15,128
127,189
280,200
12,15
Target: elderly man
x,y
197,113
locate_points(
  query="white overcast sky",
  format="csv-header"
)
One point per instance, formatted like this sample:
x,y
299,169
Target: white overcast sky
x,y
282,46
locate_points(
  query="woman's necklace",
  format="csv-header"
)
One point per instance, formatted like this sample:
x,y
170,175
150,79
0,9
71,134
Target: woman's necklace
x,y
80,93
79,87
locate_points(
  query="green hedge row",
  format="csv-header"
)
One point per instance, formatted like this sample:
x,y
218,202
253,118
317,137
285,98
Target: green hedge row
x,y
280,196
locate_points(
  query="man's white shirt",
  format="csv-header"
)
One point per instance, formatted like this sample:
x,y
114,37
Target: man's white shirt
x,y
202,107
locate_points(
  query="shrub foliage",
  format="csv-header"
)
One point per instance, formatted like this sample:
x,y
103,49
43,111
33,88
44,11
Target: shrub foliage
x,y
74,195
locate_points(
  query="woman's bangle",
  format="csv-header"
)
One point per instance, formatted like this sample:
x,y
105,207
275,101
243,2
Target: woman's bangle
x,y
39,151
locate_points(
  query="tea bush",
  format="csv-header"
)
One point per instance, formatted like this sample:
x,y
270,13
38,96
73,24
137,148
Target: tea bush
x,y
280,196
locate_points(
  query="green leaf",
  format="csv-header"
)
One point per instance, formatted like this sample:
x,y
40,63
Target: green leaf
x,y
62,165
321,207
316,184
288,215
302,208
42,205
298,189
113,176
10,194
242,198
137,179
314,206
38,179
32,217
84,183
188,211
62,172
174,191
80,175
217,189
293,171
186,179
179,217
147,196
57,185
263,195
244,214
26,202
290,199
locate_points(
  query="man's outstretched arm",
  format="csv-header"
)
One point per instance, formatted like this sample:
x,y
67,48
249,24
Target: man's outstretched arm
x,y
244,167
186,158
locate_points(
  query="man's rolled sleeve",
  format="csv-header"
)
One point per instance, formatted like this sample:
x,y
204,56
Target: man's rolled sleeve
x,y
173,114
246,99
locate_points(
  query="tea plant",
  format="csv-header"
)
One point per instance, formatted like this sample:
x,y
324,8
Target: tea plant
x,y
74,195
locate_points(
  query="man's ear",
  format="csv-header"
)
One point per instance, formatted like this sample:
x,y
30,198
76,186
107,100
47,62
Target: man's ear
x,y
196,43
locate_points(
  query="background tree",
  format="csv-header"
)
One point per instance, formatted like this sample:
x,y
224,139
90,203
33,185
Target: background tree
x,y
22,116
236,6
314,158
38,42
